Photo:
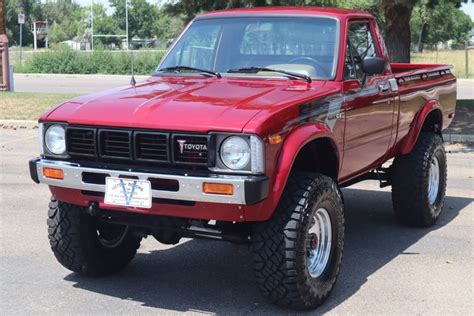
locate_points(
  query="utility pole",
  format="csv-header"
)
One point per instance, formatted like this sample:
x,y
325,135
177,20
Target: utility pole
x,y
92,25
126,22
35,36
21,44
21,21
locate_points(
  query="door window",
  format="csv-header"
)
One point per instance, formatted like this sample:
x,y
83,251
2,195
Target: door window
x,y
360,44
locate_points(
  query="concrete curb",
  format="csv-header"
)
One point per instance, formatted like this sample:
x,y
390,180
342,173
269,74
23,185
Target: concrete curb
x,y
28,124
458,138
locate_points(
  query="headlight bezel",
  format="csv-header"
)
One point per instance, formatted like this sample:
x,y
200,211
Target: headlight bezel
x,y
44,148
256,164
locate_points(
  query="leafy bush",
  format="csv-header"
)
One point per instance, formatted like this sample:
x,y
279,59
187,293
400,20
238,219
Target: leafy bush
x,y
66,61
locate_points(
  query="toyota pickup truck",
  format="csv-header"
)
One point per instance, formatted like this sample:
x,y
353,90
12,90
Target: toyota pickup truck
x,y
251,124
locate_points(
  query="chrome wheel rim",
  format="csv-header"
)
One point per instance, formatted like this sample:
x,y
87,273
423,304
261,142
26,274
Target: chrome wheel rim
x,y
433,181
319,240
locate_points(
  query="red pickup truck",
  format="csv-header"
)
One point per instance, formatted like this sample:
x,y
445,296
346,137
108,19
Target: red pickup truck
x,y
246,132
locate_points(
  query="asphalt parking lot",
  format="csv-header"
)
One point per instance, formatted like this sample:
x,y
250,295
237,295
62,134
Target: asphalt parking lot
x,y
387,269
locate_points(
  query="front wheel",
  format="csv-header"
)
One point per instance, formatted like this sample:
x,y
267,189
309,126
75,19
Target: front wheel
x,y
87,246
298,252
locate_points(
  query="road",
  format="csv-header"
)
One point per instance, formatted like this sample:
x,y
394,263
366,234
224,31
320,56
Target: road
x,y
82,83
387,269
57,83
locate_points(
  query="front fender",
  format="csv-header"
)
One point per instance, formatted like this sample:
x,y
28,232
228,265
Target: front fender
x,y
417,124
290,148
294,142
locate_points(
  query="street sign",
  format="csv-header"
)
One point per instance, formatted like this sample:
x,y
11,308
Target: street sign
x,y
21,18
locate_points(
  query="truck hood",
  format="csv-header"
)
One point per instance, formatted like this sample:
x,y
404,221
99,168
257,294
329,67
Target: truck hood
x,y
183,104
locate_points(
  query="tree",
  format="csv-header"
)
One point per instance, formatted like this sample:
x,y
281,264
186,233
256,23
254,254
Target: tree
x,y
425,24
167,28
397,15
32,11
141,17
65,18
103,24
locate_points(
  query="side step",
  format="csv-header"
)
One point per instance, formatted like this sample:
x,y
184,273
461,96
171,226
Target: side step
x,y
383,175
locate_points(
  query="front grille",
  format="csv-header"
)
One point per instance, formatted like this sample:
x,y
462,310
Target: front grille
x,y
137,146
81,142
115,144
190,149
151,146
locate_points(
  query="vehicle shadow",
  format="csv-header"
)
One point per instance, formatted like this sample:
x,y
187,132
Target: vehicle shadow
x,y
213,277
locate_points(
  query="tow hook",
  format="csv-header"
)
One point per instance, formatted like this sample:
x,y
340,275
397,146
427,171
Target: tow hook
x,y
93,209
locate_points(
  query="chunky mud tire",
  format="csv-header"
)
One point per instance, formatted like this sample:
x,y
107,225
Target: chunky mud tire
x,y
282,244
83,245
419,182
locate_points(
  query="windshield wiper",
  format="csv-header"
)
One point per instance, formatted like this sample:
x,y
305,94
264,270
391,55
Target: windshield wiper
x,y
179,68
257,69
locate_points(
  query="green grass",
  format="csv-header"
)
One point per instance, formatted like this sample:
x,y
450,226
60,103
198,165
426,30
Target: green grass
x,y
29,105
457,58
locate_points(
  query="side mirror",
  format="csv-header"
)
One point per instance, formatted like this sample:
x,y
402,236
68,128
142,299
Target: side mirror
x,y
373,65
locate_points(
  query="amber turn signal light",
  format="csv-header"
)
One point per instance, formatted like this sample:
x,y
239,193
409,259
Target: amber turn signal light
x,y
53,173
218,188
275,139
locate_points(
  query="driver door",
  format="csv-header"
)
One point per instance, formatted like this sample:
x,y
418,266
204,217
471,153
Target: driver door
x,y
369,105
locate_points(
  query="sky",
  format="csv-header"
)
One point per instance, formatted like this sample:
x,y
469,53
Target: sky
x,y
468,8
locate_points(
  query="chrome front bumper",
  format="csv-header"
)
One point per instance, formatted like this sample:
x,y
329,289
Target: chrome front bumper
x,y
247,189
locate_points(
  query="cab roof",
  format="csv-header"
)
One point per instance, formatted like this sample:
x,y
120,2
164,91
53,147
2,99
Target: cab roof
x,y
300,10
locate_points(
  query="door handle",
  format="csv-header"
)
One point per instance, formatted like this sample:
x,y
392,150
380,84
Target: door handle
x,y
383,87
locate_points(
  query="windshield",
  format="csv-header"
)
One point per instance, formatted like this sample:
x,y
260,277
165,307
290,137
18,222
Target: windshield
x,y
305,45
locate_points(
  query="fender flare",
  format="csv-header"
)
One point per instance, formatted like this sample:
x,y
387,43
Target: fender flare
x,y
290,149
417,125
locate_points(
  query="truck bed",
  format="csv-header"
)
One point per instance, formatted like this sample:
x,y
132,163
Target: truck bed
x,y
420,84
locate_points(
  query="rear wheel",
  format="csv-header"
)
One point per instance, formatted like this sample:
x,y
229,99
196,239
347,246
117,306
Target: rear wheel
x,y
419,182
87,246
298,252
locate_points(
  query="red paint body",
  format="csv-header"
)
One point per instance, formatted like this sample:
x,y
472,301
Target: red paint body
x,y
377,126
